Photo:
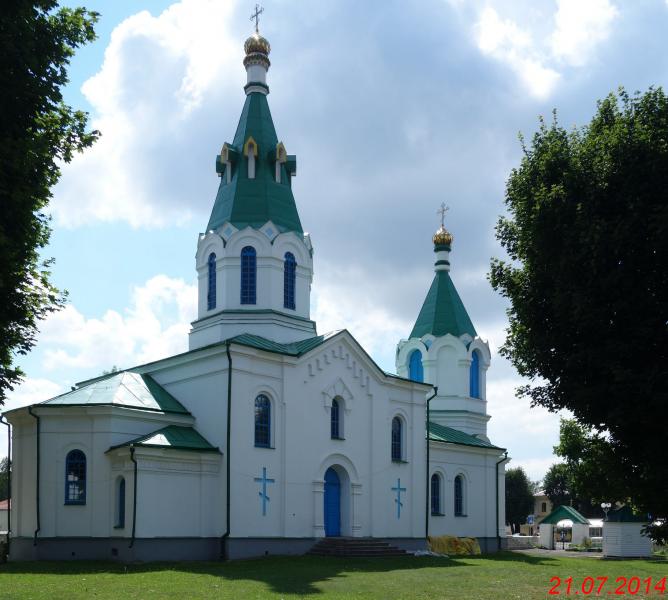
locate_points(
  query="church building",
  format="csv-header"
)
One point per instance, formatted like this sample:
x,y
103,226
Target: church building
x,y
265,436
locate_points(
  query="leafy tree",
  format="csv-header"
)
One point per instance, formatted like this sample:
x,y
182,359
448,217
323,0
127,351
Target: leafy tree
x,y
4,478
587,237
38,131
557,485
519,498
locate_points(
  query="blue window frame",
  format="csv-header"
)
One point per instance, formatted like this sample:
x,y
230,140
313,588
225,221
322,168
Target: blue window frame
x,y
335,420
436,494
211,293
248,275
75,477
474,373
120,503
459,496
289,278
397,450
415,366
262,421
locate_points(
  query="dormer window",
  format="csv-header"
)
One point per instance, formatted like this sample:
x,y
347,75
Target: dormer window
x,y
250,151
281,158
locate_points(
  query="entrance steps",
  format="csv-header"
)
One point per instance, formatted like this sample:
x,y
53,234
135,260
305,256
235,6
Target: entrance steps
x,y
345,546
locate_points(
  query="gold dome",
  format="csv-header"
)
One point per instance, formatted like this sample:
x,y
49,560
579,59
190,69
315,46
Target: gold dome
x,y
442,237
257,44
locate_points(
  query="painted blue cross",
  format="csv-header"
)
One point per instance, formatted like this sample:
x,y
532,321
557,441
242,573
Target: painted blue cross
x,y
264,480
398,490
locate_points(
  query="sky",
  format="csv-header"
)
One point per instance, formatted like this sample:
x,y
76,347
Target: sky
x,y
391,108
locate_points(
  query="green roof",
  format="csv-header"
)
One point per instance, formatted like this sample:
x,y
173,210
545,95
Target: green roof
x,y
127,389
625,514
441,433
252,202
443,311
291,349
175,437
564,512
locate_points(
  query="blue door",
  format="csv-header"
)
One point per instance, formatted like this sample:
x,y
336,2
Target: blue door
x,y
332,503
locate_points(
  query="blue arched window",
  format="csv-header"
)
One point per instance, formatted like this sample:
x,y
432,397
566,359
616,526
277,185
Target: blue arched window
x,y
397,450
335,419
415,366
120,503
75,477
211,293
459,496
436,494
262,421
248,275
289,276
474,375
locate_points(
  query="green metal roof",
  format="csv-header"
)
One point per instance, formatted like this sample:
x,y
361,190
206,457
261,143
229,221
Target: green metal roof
x,y
443,311
253,202
564,512
127,389
291,349
441,433
175,437
625,514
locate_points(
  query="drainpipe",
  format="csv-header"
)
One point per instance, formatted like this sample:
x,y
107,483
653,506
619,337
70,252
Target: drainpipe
x,y
37,468
226,535
134,499
4,421
496,473
427,498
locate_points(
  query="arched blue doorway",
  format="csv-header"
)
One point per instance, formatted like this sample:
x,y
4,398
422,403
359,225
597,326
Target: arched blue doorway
x,y
332,503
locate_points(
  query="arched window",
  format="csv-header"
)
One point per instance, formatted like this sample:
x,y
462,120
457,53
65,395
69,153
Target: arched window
x,y
262,421
415,366
397,450
335,419
459,496
289,276
248,275
211,293
75,477
475,375
436,495
120,503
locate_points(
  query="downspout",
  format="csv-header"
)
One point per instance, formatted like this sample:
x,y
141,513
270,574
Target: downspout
x,y
227,451
4,421
34,542
134,498
427,495
496,473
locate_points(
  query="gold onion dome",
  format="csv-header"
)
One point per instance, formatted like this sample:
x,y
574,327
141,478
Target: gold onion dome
x,y
442,237
256,44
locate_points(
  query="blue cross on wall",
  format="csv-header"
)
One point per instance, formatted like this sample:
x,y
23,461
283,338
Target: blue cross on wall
x,y
398,489
264,480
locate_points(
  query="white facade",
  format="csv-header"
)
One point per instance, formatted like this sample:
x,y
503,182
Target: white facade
x,y
625,539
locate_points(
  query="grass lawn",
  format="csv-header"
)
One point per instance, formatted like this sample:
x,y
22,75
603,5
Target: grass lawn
x,y
504,575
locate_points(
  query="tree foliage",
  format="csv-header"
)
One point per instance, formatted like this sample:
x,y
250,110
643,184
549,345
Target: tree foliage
x,y
587,237
4,478
38,131
519,497
557,485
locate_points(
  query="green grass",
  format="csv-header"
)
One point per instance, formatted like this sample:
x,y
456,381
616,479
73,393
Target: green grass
x,y
505,575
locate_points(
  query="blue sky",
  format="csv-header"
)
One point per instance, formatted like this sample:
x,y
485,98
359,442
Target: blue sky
x,y
392,108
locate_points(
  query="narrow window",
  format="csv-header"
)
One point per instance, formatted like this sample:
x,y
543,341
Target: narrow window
x,y
459,496
436,494
75,477
289,276
397,450
262,421
543,507
248,275
335,420
120,503
211,294
415,366
475,375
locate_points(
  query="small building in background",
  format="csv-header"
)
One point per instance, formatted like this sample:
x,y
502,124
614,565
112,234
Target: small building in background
x,y
575,527
622,534
541,508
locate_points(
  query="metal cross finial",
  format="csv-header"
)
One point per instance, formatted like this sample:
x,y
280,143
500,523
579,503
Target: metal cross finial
x,y
441,211
256,15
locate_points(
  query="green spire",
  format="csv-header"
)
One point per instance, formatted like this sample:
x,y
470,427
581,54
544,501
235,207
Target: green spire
x,y
443,310
243,201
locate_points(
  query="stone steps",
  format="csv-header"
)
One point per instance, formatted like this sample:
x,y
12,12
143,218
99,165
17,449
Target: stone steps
x,y
354,547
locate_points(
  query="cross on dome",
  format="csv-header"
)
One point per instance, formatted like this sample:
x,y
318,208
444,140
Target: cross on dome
x,y
256,16
441,211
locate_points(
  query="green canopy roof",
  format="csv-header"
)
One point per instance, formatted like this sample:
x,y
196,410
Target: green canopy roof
x,y
252,202
126,389
174,437
443,311
564,512
441,433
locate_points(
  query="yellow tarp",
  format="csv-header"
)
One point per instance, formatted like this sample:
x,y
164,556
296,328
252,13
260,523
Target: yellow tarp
x,y
451,545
